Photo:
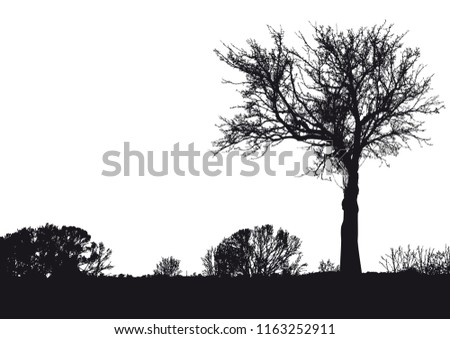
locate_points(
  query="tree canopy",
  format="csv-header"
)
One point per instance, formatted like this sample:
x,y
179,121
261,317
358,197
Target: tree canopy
x,y
359,91
52,251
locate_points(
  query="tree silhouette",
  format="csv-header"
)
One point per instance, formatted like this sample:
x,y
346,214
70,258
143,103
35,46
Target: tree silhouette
x,y
51,251
209,264
255,252
356,94
169,267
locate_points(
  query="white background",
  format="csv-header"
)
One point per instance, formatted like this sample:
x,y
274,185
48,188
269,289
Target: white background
x,y
370,329
79,78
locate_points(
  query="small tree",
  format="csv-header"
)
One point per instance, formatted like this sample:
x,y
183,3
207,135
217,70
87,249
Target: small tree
x,y
169,267
255,252
209,264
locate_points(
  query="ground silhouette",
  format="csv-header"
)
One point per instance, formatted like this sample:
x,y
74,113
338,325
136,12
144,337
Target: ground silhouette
x,y
320,295
53,272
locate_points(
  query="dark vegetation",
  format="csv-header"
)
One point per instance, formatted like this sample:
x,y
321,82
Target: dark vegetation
x,y
257,252
347,95
317,295
425,261
168,267
328,266
53,272
51,251
359,93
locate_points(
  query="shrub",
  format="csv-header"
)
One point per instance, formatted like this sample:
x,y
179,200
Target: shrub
x,y
260,252
169,267
328,266
425,261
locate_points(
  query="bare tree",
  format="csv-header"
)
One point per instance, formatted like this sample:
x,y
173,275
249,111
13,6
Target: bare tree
x,y
169,267
358,92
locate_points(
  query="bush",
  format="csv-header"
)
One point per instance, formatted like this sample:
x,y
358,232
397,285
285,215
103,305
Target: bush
x,y
425,261
328,266
169,267
259,252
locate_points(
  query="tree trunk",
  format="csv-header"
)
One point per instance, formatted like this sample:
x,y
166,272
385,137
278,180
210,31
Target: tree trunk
x,y
350,262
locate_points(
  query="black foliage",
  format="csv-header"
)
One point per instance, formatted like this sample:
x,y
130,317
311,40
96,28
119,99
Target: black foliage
x,y
169,267
257,252
357,93
328,266
51,251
